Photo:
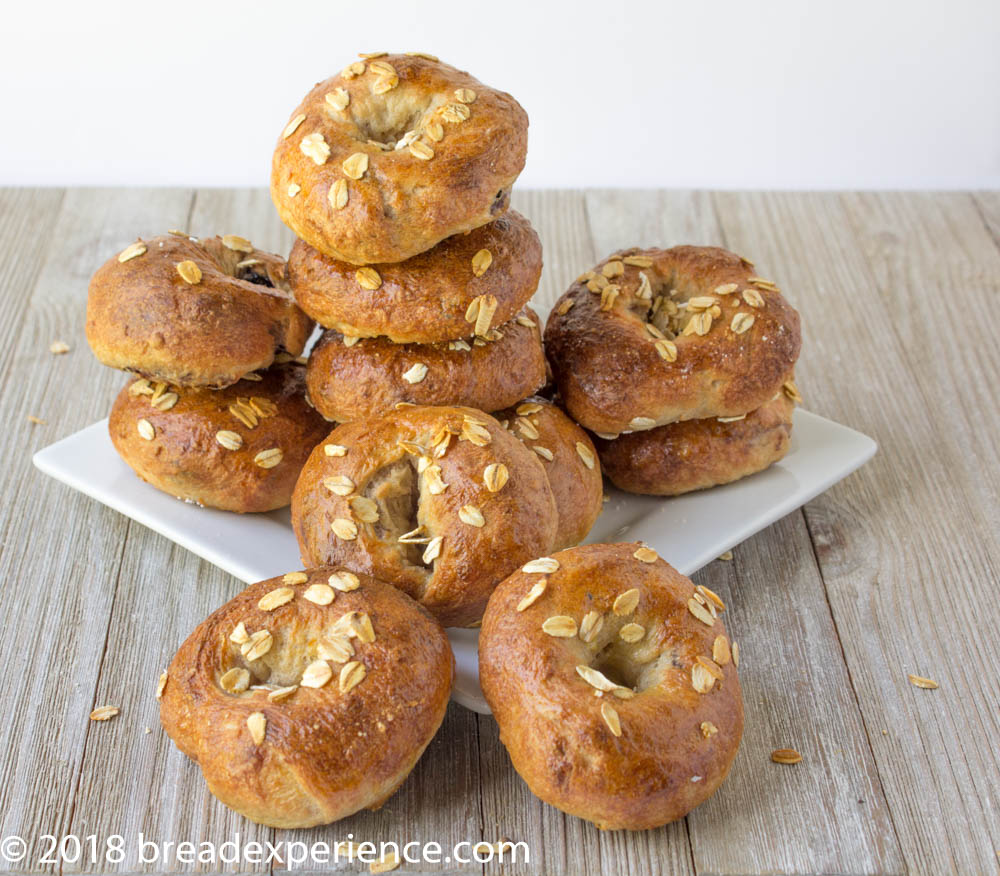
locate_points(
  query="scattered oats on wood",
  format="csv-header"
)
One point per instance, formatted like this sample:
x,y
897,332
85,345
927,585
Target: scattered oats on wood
x,y
275,598
495,475
319,594
627,602
337,196
610,715
269,458
190,272
415,373
586,454
341,485
385,864
708,729
701,679
161,685
133,250
316,674
345,582
235,681
229,440
529,598
292,126
542,564
335,450
351,676
344,529
104,713
257,725
368,278
785,755
257,645
646,555
481,262
726,556
472,515
735,649
145,429
700,612
925,683
338,99
560,625
282,693
433,549
315,147
58,347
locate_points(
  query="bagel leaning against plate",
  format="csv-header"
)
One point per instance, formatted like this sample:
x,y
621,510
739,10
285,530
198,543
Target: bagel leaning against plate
x,y
394,154
655,336
309,696
614,684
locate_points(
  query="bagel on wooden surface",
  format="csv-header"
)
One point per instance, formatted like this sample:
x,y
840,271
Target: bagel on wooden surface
x,y
613,683
309,696
394,154
193,312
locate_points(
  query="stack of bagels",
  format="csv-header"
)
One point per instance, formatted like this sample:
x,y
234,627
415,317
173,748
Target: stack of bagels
x,y
453,488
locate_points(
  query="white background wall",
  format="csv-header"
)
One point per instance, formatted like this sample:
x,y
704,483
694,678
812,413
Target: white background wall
x,y
791,93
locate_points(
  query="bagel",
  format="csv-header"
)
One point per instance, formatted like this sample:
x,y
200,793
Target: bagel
x,y
238,449
443,502
373,375
394,154
192,312
613,684
570,462
426,298
696,454
660,335
304,702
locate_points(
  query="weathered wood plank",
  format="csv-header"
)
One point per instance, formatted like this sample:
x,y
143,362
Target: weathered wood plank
x,y
61,551
907,546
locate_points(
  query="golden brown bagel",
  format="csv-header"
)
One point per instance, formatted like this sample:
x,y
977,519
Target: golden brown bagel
x,y
193,312
696,454
304,702
470,502
238,449
660,335
394,154
613,685
570,462
426,298
372,375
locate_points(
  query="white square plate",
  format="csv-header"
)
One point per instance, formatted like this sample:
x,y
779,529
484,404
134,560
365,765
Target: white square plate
x,y
688,531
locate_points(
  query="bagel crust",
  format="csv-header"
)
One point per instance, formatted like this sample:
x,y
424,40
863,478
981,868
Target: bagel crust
x,y
426,298
697,454
394,154
304,702
656,336
443,502
193,312
613,685
238,449
373,375
570,462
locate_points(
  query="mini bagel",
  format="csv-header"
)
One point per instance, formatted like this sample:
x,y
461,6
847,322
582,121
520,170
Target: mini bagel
x,y
372,375
660,335
192,312
308,697
570,462
431,297
238,449
394,154
443,502
696,454
613,683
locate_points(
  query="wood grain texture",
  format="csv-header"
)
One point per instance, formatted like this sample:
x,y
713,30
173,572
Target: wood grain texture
x,y
891,572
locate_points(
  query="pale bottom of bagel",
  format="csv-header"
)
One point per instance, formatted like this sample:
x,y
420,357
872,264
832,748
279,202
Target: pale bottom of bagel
x,y
698,454
613,683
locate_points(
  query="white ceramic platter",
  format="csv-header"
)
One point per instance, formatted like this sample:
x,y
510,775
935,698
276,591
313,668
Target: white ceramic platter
x,y
687,531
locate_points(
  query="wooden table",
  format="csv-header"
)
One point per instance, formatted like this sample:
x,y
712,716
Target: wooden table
x,y
894,571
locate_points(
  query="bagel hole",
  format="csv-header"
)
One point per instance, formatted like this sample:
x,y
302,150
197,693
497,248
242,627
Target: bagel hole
x,y
395,488
387,120
251,276
615,662
281,666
